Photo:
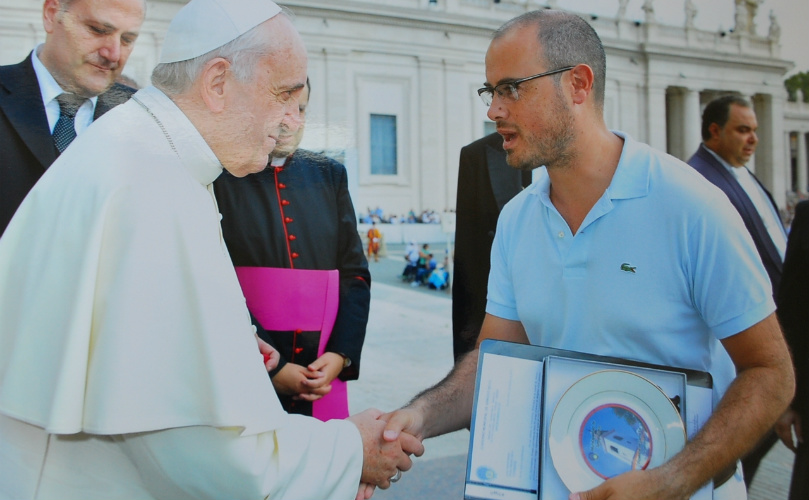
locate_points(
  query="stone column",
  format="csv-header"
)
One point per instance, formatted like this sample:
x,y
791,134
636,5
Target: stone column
x,y
331,79
431,149
751,163
788,157
656,116
692,122
772,167
801,162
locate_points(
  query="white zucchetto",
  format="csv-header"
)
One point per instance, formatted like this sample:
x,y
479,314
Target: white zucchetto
x,y
204,25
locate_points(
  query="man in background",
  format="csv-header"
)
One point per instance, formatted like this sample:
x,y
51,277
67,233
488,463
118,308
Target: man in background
x,y
485,183
298,214
794,315
729,140
61,87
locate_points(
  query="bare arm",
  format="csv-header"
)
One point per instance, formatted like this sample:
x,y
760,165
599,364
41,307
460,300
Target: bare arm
x,y
447,406
757,397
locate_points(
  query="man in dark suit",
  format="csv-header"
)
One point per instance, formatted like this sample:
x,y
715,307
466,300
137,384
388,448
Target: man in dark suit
x,y
485,183
794,316
729,140
86,46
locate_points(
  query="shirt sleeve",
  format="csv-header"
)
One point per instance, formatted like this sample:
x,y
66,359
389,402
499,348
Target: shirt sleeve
x,y
731,288
303,459
500,300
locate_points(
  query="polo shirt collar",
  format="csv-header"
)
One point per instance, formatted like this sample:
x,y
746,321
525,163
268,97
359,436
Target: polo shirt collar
x,y
630,180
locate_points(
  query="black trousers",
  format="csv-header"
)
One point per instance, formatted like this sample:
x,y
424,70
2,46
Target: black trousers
x,y
753,459
799,488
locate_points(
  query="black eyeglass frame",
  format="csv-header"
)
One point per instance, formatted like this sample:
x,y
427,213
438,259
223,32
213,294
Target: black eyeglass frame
x,y
487,93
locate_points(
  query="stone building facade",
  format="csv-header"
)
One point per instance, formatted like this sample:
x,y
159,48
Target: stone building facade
x,y
394,86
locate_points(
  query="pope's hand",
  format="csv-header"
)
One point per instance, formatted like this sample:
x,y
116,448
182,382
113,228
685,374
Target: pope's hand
x,y
381,458
271,356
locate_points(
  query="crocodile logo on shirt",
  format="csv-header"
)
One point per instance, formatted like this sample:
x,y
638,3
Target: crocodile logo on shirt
x,y
628,268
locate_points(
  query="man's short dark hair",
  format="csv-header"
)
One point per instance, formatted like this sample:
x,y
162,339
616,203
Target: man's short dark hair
x,y
566,40
718,111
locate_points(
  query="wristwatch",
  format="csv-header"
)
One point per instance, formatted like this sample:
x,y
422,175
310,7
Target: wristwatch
x,y
346,360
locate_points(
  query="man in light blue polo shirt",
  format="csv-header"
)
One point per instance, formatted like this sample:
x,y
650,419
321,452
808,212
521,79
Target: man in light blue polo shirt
x,y
638,280
616,249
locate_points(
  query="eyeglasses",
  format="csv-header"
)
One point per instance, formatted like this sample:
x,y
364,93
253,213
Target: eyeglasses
x,y
508,90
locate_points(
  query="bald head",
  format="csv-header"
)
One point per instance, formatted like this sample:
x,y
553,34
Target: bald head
x,y
564,40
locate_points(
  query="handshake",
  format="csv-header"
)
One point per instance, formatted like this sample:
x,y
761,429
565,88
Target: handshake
x,y
388,440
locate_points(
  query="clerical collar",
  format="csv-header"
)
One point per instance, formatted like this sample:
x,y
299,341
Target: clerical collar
x,y
279,161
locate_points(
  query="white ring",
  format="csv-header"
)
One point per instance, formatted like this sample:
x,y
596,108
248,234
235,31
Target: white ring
x,y
396,477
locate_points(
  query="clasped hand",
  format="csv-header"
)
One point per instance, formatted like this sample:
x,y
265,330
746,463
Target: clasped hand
x,y
382,457
309,383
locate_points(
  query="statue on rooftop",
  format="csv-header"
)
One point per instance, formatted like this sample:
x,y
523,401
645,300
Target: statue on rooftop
x,y
622,9
649,9
775,28
746,11
690,13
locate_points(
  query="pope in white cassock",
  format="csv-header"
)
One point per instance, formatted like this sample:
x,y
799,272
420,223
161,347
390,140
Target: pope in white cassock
x,y
128,364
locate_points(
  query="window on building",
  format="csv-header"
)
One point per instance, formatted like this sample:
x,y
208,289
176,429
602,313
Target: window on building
x,y
489,128
383,145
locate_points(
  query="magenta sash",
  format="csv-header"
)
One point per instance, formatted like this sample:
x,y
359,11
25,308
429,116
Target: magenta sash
x,y
298,299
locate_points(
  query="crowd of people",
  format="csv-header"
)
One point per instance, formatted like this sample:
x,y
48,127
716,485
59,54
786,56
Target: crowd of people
x,y
423,269
378,215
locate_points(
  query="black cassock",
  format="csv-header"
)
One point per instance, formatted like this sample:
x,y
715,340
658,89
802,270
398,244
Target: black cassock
x,y
301,216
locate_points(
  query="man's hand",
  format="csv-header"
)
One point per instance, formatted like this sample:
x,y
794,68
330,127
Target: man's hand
x,y
406,420
271,356
654,484
784,425
330,364
382,459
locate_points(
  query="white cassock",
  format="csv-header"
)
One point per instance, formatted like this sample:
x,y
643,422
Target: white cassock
x,y
128,364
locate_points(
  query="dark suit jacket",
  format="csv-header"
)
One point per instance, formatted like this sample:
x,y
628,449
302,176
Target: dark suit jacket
x,y
705,163
26,145
793,305
485,183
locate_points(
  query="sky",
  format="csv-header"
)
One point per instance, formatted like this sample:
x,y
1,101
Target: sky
x,y
792,16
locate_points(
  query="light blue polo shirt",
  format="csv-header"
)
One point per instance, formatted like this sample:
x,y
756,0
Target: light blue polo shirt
x,y
661,268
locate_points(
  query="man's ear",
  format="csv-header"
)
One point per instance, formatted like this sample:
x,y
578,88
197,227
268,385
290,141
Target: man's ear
x,y
714,129
50,13
213,83
581,80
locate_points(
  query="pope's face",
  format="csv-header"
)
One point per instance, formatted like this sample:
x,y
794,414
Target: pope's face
x,y
537,128
265,105
89,41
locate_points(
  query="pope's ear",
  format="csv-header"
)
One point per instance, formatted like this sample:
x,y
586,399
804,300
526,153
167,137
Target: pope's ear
x,y
213,81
